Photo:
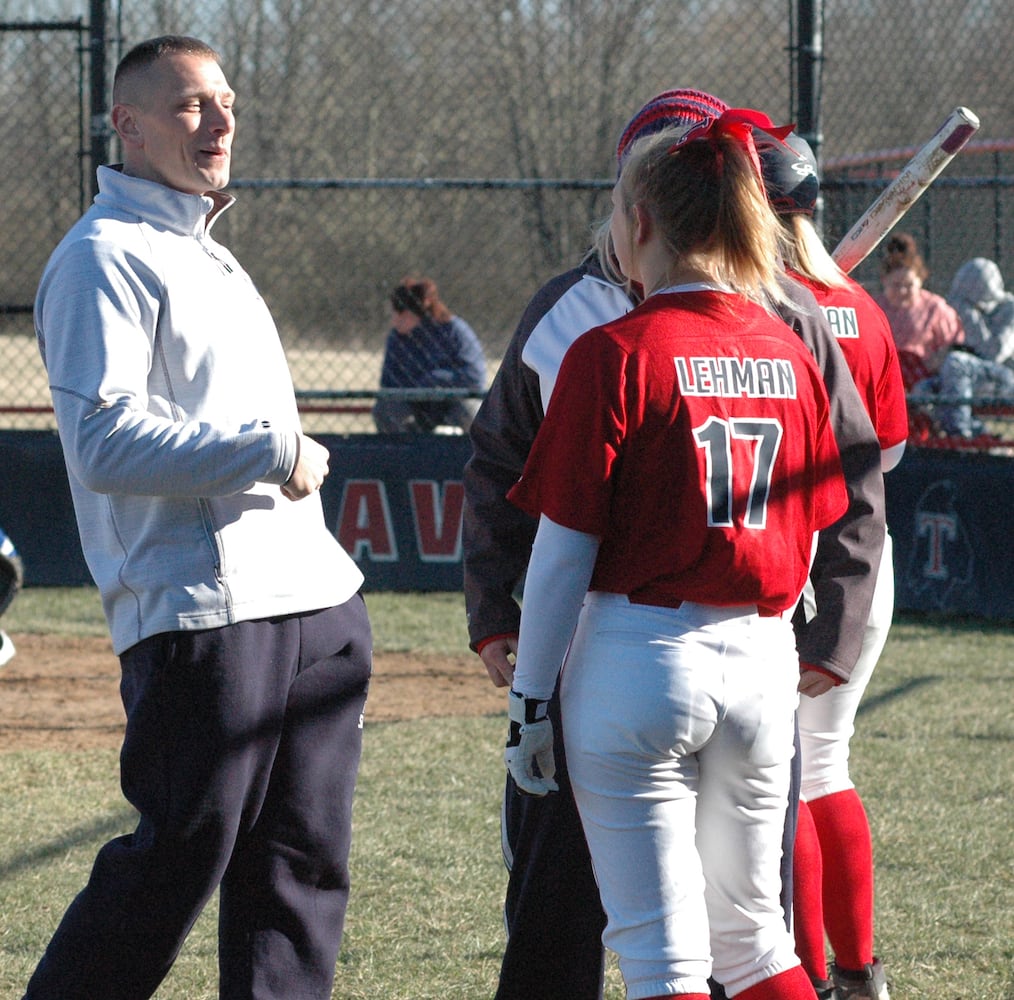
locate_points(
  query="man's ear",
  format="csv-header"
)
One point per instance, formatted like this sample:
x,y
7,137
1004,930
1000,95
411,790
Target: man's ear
x,y
125,122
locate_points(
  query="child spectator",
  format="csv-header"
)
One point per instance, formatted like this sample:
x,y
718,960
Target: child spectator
x,y
928,332
986,309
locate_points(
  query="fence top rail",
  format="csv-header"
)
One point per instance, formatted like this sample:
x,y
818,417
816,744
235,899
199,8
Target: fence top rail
x,y
559,184
412,395
423,183
883,180
879,156
77,25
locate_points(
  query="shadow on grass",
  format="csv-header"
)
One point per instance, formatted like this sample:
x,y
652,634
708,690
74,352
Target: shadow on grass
x,y
953,623
872,702
105,827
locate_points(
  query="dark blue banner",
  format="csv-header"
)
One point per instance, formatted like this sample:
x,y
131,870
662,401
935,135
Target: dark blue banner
x,y
950,515
395,501
36,509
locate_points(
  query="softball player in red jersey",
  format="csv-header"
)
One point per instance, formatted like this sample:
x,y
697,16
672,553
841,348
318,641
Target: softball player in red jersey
x,y
685,463
833,842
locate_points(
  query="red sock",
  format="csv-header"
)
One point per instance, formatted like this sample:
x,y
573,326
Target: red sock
x,y
807,905
847,852
792,984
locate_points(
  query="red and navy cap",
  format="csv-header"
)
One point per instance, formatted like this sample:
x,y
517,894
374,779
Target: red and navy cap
x,y
668,109
790,172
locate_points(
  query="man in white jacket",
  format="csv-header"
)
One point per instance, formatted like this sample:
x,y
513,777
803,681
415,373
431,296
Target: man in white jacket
x,y
244,644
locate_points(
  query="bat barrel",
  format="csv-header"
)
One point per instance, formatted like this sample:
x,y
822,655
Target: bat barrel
x,y
963,125
902,193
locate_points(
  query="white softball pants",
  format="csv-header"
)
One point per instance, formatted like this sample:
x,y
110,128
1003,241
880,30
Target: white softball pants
x,y
826,723
679,733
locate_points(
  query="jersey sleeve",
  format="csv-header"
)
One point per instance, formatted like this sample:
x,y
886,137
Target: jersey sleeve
x,y
830,499
848,555
567,473
888,408
497,535
892,407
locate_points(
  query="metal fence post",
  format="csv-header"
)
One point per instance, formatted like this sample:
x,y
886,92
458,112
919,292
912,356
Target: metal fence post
x,y
806,54
99,131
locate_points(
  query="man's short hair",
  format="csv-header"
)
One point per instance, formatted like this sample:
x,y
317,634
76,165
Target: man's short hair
x,y
144,54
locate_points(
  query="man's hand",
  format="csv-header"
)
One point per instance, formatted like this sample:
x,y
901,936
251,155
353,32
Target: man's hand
x,y
310,471
497,657
530,744
814,682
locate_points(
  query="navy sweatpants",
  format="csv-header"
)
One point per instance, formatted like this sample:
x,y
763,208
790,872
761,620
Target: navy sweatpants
x,y
241,753
552,911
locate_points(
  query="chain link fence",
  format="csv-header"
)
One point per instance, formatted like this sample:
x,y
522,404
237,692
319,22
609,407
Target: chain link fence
x,y
472,141
42,190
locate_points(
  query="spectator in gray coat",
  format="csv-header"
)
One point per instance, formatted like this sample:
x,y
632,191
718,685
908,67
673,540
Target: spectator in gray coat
x,y
986,310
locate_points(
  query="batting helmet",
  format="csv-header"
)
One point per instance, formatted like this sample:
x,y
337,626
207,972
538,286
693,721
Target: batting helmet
x,y
790,172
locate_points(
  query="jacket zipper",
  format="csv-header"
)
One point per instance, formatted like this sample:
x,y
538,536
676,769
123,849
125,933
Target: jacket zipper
x,y
223,266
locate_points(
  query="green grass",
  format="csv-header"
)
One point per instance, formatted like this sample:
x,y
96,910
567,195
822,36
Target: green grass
x,y
932,758
427,876
424,623
58,611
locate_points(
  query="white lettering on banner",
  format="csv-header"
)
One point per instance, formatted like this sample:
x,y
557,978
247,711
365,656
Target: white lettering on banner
x,y
941,565
366,526
939,530
436,516
843,320
364,521
754,378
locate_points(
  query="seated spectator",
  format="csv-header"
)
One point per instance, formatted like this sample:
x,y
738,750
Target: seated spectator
x,y
931,342
428,348
985,308
11,576
922,323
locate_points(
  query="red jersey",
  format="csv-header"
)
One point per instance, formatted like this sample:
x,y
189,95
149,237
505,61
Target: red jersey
x,y
691,436
864,336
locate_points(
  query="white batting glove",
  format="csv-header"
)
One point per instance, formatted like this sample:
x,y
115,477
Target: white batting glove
x,y
530,744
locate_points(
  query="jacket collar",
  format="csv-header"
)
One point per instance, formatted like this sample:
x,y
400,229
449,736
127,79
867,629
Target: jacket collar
x,y
187,214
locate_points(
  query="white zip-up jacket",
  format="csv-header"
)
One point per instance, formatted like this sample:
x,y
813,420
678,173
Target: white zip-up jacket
x,y
178,421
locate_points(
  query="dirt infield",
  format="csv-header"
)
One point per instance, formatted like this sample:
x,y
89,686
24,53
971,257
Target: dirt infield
x,y
61,693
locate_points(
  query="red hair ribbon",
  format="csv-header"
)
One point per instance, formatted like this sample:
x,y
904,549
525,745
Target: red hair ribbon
x,y
738,124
